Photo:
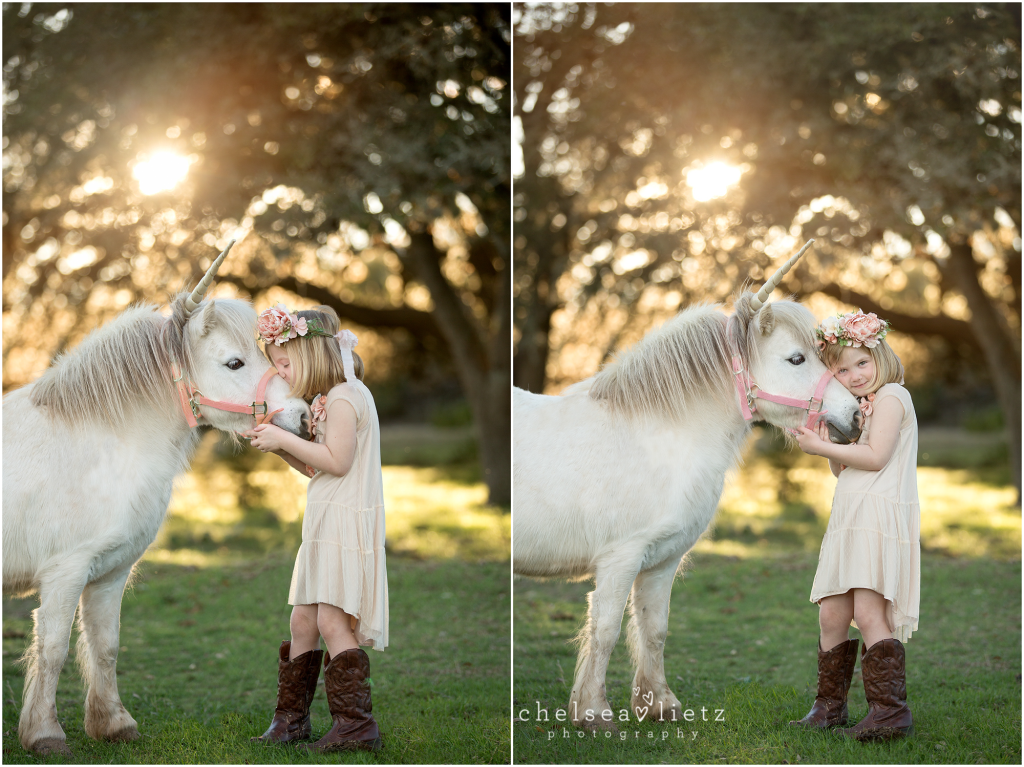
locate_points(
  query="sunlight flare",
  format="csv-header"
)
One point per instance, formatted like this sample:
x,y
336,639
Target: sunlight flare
x,y
713,181
161,172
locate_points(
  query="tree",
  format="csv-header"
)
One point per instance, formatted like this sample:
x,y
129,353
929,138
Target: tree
x,y
891,134
364,146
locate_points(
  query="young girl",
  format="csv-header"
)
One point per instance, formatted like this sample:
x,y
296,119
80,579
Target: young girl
x,y
869,568
339,586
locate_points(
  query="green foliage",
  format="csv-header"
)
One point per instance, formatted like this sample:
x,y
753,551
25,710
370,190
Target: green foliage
x,y
454,414
984,419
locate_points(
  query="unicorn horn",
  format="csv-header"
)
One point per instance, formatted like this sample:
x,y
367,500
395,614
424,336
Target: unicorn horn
x,y
204,284
762,295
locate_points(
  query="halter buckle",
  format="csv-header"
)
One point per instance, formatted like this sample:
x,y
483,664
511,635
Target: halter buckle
x,y
193,402
256,405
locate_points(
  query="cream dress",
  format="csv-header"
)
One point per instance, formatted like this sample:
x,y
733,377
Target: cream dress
x,y
873,540
341,560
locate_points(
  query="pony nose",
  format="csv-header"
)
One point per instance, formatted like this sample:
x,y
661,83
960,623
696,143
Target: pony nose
x,y
304,427
858,420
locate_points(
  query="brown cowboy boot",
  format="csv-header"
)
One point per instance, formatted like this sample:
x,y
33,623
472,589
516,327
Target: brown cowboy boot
x,y
835,672
348,697
296,686
885,686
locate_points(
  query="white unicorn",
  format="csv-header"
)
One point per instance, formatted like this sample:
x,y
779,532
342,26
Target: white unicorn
x,y
90,451
618,477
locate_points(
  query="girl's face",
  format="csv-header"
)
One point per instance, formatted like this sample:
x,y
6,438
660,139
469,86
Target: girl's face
x,y
279,357
855,370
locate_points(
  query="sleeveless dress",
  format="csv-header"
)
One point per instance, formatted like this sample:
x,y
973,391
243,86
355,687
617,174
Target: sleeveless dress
x,y
873,540
341,559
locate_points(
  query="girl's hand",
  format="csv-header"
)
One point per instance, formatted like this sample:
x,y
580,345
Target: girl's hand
x,y
809,441
266,437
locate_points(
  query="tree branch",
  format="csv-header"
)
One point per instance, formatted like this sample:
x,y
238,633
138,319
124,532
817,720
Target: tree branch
x,y
954,331
420,324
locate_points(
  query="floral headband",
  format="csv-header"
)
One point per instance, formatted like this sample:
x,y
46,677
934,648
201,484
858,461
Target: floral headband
x,y
276,325
853,329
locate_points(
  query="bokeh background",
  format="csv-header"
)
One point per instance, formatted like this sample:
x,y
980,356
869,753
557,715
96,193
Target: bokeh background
x,y
360,154
667,154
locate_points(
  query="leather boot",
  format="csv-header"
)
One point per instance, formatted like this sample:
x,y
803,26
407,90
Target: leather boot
x,y
348,698
296,686
885,686
835,672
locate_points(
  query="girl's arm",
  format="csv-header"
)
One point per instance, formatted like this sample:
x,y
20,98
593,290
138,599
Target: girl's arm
x,y
834,466
294,462
885,432
334,456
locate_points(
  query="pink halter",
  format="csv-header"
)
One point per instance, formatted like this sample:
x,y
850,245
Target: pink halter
x,y
190,398
749,392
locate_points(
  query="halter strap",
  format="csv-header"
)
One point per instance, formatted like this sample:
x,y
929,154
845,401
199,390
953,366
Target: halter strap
x,y
190,398
749,392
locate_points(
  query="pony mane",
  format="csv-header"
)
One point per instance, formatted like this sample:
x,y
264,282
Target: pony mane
x,y
114,373
123,369
683,363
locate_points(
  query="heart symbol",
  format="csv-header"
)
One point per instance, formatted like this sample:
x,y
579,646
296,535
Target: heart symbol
x,y
641,712
649,698
636,691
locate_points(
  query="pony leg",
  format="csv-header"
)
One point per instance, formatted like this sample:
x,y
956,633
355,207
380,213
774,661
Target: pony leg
x,y
38,728
99,624
648,628
588,704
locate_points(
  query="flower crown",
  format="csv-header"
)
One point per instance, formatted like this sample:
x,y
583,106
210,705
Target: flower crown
x,y
853,329
276,325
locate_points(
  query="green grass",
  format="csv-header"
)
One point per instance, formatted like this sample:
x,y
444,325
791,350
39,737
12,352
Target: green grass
x,y
201,626
743,633
743,639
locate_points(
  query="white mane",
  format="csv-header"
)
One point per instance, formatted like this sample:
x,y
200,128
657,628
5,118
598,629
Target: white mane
x,y
673,368
124,368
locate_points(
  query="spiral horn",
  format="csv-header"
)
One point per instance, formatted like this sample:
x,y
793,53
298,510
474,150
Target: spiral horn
x,y
762,295
204,284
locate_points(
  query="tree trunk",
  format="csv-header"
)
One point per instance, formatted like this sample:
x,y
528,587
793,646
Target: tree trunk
x,y
482,361
999,350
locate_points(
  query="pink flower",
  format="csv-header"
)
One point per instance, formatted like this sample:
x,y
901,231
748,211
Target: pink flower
x,y
319,409
829,330
863,329
865,404
276,326
273,325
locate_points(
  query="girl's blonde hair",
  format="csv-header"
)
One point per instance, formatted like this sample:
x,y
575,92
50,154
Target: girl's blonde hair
x,y
316,360
888,368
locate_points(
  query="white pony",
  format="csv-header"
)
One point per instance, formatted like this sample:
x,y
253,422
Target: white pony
x,y
90,451
618,477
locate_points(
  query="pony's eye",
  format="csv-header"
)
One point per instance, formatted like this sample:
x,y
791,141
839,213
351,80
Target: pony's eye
x,y
796,359
235,364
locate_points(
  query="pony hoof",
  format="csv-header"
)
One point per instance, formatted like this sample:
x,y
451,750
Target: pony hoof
x,y
124,736
47,746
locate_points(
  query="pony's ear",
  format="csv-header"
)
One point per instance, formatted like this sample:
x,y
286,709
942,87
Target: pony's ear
x,y
765,319
208,319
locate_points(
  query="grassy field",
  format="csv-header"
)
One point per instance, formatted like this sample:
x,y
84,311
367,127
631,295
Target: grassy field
x,y
743,634
203,621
